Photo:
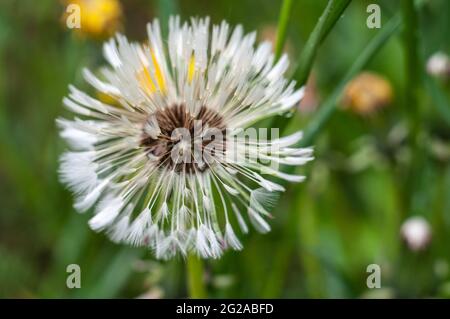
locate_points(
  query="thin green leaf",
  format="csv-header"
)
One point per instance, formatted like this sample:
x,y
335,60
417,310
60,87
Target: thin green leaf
x,y
166,8
329,106
327,20
331,14
326,110
439,98
283,22
115,275
412,68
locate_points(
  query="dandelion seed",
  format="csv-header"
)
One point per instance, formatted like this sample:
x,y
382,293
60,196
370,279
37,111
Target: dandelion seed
x,y
165,166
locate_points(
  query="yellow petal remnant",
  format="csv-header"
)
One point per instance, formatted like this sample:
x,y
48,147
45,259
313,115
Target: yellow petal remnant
x,y
108,99
367,93
158,73
191,69
145,77
99,18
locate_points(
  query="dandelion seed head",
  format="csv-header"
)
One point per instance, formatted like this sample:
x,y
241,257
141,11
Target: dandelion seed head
x,y
173,162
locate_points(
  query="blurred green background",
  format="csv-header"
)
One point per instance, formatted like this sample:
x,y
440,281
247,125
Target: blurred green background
x,y
367,178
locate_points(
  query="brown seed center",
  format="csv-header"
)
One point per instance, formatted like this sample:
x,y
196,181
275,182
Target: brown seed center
x,y
183,141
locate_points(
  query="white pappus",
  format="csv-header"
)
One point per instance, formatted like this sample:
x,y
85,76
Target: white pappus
x,y
130,159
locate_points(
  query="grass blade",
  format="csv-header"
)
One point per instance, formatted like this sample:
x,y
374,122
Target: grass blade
x,y
327,20
329,106
273,287
283,22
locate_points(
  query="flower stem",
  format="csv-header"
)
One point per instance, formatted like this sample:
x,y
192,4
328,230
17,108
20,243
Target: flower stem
x,y
333,11
331,14
195,277
166,8
412,67
413,77
329,106
282,27
274,281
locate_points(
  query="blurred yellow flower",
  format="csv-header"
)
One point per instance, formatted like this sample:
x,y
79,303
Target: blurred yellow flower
x,y
367,93
99,18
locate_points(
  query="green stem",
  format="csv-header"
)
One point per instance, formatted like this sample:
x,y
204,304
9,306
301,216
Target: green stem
x,y
282,27
412,66
116,269
195,276
329,106
281,259
413,77
331,14
333,11
166,8
439,99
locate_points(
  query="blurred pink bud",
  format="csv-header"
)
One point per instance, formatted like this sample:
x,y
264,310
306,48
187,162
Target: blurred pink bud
x,y
439,65
416,232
